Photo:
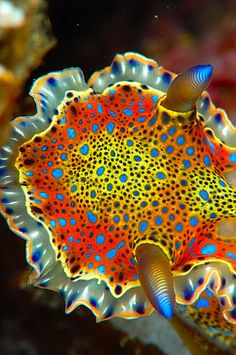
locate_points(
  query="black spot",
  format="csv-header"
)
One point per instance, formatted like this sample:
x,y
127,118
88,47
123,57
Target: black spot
x,y
36,209
75,269
126,88
118,290
139,308
69,94
22,150
186,267
144,87
29,161
37,139
73,110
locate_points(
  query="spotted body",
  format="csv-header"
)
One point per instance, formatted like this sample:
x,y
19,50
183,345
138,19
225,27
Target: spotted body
x,y
105,169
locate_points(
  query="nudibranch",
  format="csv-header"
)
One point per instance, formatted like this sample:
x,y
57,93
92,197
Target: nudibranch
x,y
125,191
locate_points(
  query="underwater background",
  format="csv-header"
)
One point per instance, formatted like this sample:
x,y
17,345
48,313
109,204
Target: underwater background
x,y
177,34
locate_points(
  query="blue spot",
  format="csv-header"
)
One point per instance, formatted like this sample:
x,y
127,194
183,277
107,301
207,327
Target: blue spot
x,y
116,219
190,151
71,133
111,253
166,77
137,158
95,127
115,68
232,157
73,188
53,223
222,183
57,173
123,178
62,222
152,121
208,249
109,187
158,220
72,221
204,195
163,137
169,149
187,163
155,98
133,62
231,255
100,239
84,149
100,110
183,182
97,257
161,175
101,269
60,197
193,221
71,239
110,127
43,194
90,106
129,142
36,256
188,293
143,204
179,227
213,215
172,130
92,217
65,248
154,153
52,81
180,140
142,119
202,303
100,171
128,112
64,156
177,244
143,226
29,173
126,217
206,160
112,113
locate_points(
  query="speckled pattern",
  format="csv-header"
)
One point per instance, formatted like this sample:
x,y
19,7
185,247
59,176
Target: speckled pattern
x,y
110,170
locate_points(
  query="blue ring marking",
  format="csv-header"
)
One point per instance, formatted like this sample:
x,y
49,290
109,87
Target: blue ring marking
x,y
128,112
193,221
92,217
57,173
143,226
60,197
161,175
158,220
100,239
123,178
208,249
206,160
204,194
110,127
71,133
100,170
62,222
84,149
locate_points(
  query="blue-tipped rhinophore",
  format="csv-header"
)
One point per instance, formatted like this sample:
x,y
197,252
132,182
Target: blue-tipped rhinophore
x,y
185,89
156,278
